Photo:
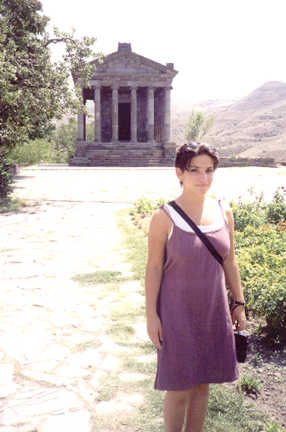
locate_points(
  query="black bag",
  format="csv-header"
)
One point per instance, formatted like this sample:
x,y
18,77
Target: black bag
x,y
241,344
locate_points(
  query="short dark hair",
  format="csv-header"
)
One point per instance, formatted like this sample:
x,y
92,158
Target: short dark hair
x,y
186,152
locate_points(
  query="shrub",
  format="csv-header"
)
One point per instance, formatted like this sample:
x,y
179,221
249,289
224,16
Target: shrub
x,y
64,138
257,213
144,207
261,257
248,213
33,152
142,211
59,147
11,205
248,385
272,303
276,209
6,176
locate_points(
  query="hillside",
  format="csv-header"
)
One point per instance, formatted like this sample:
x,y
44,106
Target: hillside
x,y
254,126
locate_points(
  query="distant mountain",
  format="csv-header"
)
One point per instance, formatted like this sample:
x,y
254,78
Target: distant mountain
x,y
254,126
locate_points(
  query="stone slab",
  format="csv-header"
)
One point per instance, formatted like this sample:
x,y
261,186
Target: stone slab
x,y
69,422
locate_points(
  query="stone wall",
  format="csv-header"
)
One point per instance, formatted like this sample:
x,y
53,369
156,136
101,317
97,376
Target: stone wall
x,y
243,162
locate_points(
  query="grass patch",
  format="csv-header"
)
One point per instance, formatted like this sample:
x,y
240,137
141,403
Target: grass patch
x,y
274,427
120,332
228,411
122,318
8,205
249,385
99,277
135,242
83,346
135,364
109,388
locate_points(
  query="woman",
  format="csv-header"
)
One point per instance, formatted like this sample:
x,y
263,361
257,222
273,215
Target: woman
x,y
188,317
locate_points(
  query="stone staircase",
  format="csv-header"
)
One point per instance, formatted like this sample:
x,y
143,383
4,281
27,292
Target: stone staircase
x,y
123,155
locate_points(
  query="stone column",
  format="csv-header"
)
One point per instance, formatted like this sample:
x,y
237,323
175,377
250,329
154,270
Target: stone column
x,y
97,114
114,113
134,114
81,127
167,114
150,114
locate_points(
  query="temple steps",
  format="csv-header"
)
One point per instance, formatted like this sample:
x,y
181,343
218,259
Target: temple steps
x,y
123,155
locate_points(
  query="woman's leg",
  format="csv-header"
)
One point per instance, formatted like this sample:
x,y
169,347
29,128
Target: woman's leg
x,y
174,410
197,408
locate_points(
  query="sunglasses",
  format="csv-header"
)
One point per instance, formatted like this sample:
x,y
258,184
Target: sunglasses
x,y
195,146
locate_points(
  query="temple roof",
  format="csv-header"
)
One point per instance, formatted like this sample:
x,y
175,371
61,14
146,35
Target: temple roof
x,y
125,65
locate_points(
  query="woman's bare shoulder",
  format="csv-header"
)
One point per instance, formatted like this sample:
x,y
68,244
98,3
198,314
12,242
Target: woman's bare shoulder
x,y
160,220
214,201
160,216
225,205
227,211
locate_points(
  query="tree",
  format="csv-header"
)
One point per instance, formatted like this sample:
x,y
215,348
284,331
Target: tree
x,y
198,125
34,89
64,137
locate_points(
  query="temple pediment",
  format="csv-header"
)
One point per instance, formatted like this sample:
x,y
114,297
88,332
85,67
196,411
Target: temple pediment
x,y
128,65
125,63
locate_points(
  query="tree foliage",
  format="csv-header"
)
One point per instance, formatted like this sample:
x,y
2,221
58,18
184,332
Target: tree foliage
x,y
198,125
34,89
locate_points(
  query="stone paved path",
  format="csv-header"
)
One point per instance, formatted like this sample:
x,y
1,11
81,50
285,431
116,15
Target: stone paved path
x,y
51,348
48,380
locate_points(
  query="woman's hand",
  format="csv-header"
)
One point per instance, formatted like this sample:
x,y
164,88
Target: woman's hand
x,y
154,329
239,318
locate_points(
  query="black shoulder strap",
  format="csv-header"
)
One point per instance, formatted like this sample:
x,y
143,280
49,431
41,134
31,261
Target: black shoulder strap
x,y
199,233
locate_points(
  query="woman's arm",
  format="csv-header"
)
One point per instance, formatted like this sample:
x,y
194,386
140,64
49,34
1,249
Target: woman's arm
x,y
232,276
159,229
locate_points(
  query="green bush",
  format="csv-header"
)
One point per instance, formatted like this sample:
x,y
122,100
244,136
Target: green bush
x,y
64,138
6,176
257,213
11,204
260,239
59,147
261,257
33,152
276,209
248,385
144,207
248,213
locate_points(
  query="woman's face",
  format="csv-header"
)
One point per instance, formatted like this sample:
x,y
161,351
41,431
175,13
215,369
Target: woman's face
x,y
198,176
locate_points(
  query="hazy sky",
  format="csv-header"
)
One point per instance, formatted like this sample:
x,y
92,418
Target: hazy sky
x,y
223,49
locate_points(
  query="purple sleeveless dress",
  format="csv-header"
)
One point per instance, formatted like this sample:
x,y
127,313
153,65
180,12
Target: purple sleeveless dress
x,y
198,342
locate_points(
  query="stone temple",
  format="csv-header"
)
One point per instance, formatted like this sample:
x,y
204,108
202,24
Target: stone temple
x,y
132,108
